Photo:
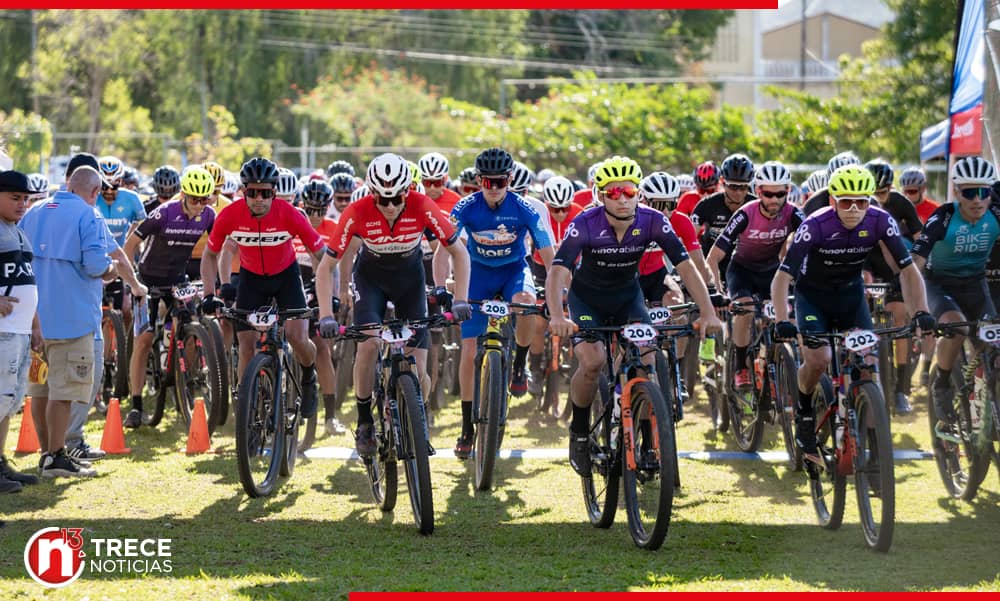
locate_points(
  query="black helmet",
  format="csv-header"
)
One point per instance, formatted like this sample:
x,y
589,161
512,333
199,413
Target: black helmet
x,y
468,176
317,193
131,177
166,181
494,161
737,168
259,170
882,171
340,167
343,183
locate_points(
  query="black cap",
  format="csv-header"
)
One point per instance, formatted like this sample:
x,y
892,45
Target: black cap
x,y
14,181
80,160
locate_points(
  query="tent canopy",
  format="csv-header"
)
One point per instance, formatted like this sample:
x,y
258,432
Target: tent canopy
x,y
934,141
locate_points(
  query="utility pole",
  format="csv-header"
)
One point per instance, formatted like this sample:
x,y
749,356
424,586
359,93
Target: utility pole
x,y
802,49
34,64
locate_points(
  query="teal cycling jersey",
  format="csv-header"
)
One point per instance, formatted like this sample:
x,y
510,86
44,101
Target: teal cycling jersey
x,y
496,236
955,247
122,213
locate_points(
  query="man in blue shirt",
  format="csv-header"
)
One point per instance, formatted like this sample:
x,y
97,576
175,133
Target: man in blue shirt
x,y
497,222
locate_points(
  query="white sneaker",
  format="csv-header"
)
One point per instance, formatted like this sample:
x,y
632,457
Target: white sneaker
x,y
334,427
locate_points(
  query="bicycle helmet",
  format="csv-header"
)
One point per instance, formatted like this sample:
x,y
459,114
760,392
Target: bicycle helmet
x,y
433,165
166,181
686,182
737,168
468,176
617,169
494,161
259,170
973,170
795,195
112,168
287,184
592,171
558,192
343,183
231,186
359,193
544,175
130,177
414,174
659,186
852,180
773,173
579,185
317,194
340,167
389,175
38,183
839,160
817,180
912,177
218,173
197,181
521,178
706,175
881,171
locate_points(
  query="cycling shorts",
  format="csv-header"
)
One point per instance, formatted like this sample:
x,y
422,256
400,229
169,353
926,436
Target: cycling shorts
x,y
970,296
823,310
742,282
255,291
486,283
653,285
114,293
538,273
592,307
374,286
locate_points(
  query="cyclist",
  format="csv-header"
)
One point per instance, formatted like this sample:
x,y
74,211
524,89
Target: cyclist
x,y
170,234
825,260
953,250
166,185
340,167
264,230
469,184
521,179
686,182
498,222
433,169
820,198
217,203
605,287
755,237
287,186
389,268
344,186
714,211
122,210
130,179
706,180
39,186
588,196
816,181
795,196
913,183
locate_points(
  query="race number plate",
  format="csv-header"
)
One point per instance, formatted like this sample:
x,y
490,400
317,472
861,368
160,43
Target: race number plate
x,y
659,315
262,320
876,291
857,341
495,309
185,293
639,333
769,311
391,335
990,333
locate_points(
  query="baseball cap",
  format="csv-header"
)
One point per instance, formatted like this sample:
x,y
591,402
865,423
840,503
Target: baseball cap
x,y
14,181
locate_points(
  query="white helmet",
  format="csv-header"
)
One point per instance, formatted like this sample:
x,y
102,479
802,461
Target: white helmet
x,y
817,180
659,186
839,160
558,192
38,183
388,175
686,182
287,184
433,165
593,171
772,173
521,177
112,168
973,170
545,175
795,195
231,185
359,193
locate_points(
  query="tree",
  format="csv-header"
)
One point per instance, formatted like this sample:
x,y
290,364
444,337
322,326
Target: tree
x,y
28,139
15,39
222,145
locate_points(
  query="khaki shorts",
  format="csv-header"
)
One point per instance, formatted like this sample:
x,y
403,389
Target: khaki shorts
x,y
71,370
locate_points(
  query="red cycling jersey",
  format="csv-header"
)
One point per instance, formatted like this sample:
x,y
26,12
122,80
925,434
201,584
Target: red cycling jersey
x,y
583,198
265,243
325,231
447,201
688,201
652,261
558,230
925,208
401,239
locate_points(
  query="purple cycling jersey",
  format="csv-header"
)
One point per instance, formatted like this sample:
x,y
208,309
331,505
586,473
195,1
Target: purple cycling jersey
x,y
608,263
170,237
825,254
757,238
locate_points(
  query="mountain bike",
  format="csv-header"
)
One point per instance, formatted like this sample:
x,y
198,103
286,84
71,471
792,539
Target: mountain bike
x,y
116,356
559,364
668,367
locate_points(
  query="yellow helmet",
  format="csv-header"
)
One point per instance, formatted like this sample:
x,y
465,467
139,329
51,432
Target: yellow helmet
x,y
851,180
197,181
218,173
617,169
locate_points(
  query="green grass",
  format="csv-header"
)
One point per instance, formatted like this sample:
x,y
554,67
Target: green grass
x,y
738,525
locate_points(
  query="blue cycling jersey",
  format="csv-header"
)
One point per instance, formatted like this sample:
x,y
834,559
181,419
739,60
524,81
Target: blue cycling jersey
x,y
954,247
496,236
122,213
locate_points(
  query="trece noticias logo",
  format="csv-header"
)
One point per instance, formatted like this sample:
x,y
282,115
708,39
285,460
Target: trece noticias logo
x,y
55,557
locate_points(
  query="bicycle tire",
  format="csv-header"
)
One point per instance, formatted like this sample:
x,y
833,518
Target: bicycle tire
x,y
691,368
874,441
718,407
787,388
747,428
664,377
189,383
829,514
291,418
649,521
383,477
221,413
563,408
118,340
154,401
550,390
887,367
345,351
416,462
490,408
258,422
600,489
959,464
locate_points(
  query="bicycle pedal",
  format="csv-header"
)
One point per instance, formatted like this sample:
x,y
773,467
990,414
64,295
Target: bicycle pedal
x,y
430,449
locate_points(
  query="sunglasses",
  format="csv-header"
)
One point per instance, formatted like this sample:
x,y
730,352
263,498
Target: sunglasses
x,y
466,190
559,209
494,183
346,198
845,204
434,183
618,191
315,211
265,193
663,205
200,199
738,186
778,194
882,191
974,193
384,201
911,191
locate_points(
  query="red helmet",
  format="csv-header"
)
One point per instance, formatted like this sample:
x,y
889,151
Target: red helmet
x,y
706,175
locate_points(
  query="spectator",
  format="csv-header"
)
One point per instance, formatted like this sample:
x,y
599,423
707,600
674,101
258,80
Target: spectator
x,y
19,328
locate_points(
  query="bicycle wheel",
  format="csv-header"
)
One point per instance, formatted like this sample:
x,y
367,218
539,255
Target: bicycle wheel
x,y
487,418
744,409
600,490
961,465
713,381
665,380
259,438
115,382
874,471
787,388
416,453
220,413
691,368
550,391
381,469
827,487
196,374
649,485
343,354
290,417
154,400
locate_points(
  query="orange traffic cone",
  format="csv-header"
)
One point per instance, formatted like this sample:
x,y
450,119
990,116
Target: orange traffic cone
x,y
198,433
27,439
113,439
